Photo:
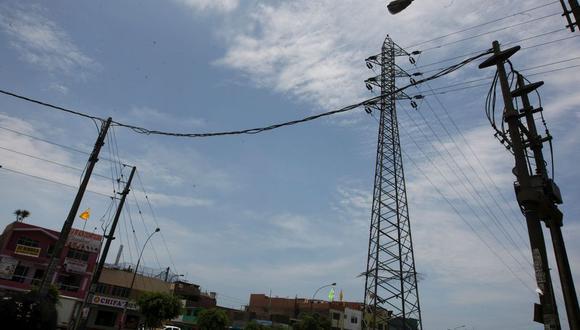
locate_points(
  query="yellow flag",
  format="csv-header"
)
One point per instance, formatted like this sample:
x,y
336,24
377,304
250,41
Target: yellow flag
x,y
86,214
341,295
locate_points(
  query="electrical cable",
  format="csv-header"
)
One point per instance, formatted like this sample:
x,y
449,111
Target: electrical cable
x,y
492,31
145,131
459,214
2,167
480,25
155,220
50,161
52,106
469,189
505,44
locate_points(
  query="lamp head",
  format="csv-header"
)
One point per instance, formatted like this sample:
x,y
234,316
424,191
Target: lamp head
x,y
397,6
157,229
333,284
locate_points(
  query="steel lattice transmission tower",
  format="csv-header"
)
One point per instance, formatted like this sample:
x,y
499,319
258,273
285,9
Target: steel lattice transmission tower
x,y
391,294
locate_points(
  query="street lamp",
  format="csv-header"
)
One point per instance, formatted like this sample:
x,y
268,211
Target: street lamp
x,y
398,6
314,295
133,280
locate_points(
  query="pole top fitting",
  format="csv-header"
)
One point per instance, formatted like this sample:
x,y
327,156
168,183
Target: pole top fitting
x,y
499,57
526,89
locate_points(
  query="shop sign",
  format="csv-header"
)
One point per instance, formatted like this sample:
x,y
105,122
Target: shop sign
x,y
82,240
7,267
74,265
26,250
113,302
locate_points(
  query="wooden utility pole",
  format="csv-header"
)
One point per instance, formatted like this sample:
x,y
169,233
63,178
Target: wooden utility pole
x,y
50,274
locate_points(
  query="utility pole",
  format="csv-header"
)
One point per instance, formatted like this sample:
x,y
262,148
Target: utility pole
x,y
391,296
574,10
554,216
166,273
536,193
50,273
110,237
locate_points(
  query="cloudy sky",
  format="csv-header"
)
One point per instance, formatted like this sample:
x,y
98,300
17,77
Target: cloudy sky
x,y
288,210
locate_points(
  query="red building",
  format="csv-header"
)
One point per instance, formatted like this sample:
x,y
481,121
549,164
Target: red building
x,y
25,251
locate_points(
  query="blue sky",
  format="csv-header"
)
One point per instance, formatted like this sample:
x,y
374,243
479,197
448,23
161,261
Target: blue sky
x,y
287,210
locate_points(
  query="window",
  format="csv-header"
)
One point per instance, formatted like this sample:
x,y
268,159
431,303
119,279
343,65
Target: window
x,y
27,242
78,254
353,319
69,282
119,291
50,250
37,276
336,316
20,273
106,318
103,288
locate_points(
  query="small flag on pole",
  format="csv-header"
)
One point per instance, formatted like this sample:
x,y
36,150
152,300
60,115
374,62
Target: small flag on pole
x,y
86,214
331,294
340,295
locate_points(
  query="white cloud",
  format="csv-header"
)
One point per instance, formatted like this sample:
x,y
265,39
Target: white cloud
x,y
217,5
42,42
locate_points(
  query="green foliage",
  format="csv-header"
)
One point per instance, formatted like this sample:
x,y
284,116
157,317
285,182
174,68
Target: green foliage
x,y
158,307
313,322
29,311
212,319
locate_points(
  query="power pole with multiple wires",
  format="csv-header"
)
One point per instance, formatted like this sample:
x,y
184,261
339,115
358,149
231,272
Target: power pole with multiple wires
x,y
391,298
50,274
537,194
83,315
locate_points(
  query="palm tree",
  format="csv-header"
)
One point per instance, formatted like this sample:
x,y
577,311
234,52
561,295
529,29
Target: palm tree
x,y
21,214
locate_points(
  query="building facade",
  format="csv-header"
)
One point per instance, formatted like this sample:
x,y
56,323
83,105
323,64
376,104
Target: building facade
x,y
342,314
25,251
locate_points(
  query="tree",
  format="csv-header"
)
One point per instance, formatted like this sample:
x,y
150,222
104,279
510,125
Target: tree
x,y
158,307
21,214
313,322
212,319
29,311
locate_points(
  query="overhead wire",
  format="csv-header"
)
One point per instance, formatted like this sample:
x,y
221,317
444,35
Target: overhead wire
x,y
460,215
492,31
481,24
3,167
156,222
472,192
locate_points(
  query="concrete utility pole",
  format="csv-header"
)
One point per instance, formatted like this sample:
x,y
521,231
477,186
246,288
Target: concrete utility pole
x,y
49,275
110,237
536,193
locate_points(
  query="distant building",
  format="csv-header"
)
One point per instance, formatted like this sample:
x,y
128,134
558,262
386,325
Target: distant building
x,y
25,252
343,315
194,301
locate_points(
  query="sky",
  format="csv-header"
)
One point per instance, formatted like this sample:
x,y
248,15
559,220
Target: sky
x,y
287,211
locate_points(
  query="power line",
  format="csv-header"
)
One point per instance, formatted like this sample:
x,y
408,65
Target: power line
x,y
52,106
456,211
492,31
2,167
146,131
50,161
53,143
480,25
466,185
